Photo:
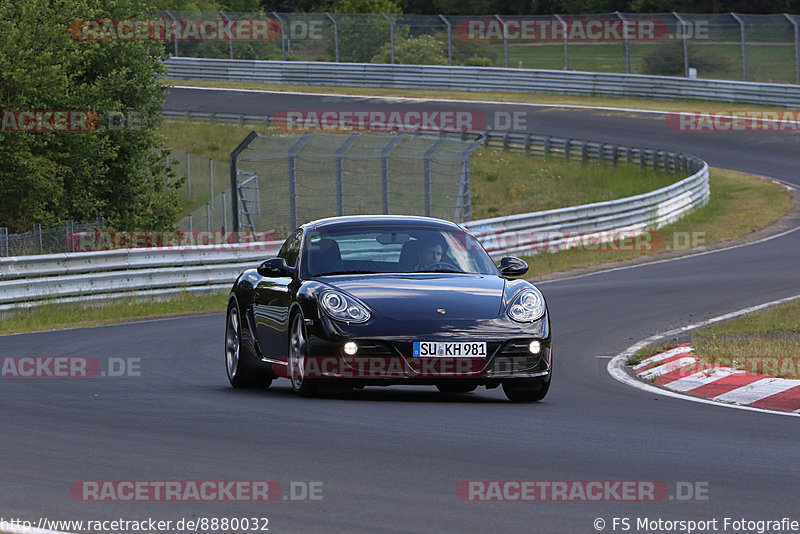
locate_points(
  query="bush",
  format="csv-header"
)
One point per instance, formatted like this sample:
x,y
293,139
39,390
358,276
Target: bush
x,y
667,60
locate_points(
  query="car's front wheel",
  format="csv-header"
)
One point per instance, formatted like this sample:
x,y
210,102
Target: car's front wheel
x,y
240,374
298,349
526,390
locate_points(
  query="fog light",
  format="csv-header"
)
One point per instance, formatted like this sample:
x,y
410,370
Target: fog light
x,y
350,348
535,347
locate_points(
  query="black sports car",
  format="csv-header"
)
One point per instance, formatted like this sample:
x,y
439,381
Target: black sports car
x,y
385,300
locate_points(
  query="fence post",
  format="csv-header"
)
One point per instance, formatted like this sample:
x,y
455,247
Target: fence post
x,y
391,33
505,38
211,179
449,40
627,43
385,170
427,166
225,214
228,31
3,241
292,178
796,49
566,41
744,48
208,217
37,235
190,223
234,157
685,36
283,38
335,35
339,155
188,175
175,34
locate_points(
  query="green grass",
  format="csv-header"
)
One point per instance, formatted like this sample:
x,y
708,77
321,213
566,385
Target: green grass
x,y
771,63
74,315
740,204
764,342
524,98
507,183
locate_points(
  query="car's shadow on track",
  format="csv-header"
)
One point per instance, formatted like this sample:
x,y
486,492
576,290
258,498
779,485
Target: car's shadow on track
x,y
378,394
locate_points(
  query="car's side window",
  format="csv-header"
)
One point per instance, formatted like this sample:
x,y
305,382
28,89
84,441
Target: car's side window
x,y
291,248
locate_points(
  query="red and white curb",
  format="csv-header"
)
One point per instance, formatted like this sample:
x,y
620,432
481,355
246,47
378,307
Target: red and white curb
x,y
750,397
680,370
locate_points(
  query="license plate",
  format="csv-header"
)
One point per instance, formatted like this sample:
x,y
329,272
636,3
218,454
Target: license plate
x,y
450,349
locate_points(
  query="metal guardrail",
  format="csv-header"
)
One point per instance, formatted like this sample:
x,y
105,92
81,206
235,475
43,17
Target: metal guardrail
x,y
69,277
486,79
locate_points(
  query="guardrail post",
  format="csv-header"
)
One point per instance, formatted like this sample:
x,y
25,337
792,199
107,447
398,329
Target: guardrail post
x,y
385,170
744,48
685,36
796,48
335,35
642,158
527,144
547,145
567,147
505,142
505,38
655,160
283,38
614,154
584,152
391,33
566,41
449,40
427,169
339,156
3,241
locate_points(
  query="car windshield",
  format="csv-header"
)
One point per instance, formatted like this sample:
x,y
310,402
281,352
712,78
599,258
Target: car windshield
x,y
394,249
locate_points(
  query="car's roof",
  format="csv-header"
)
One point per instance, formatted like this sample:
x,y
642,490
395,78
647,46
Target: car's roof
x,y
380,220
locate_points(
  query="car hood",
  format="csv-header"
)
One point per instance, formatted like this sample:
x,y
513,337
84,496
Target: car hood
x,y
417,296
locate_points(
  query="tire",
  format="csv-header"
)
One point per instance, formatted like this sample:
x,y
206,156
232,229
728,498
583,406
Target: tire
x,y
525,391
298,349
456,387
240,374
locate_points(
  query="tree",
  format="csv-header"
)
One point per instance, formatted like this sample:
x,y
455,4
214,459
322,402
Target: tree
x,y
422,50
116,171
360,36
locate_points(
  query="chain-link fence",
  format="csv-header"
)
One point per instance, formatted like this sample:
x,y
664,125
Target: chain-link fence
x,y
284,181
763,48
45,240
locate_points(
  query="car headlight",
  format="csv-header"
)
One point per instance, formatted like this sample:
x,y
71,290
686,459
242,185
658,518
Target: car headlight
x,y
527,306
343,308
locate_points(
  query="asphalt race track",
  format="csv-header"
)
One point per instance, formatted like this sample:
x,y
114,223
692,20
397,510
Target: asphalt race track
x,y
389,460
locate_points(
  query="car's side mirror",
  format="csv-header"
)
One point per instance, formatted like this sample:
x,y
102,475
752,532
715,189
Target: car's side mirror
x,y
276,268
511,266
